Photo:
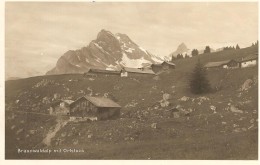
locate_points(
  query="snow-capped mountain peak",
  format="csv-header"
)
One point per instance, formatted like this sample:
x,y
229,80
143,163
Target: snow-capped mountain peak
x,y
108,51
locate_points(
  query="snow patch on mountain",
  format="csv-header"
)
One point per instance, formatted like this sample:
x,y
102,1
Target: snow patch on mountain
x,y
112,67
133,63
143,50
156,59
100,48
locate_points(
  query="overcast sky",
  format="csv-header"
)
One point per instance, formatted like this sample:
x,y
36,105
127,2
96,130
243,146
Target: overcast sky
x,y
37,34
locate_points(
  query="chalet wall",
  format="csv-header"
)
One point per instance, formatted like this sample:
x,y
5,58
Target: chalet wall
x,y
156,69
108,113
133,74
85,109
248,63
124,74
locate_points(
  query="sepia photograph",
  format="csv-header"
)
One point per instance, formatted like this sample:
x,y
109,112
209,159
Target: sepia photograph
x,y
131,80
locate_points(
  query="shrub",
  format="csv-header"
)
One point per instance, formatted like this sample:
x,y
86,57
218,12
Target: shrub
x,y
199,83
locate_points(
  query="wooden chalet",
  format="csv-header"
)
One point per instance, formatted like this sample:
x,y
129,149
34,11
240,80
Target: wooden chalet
x,y
126,72
101,108
248,61
162,66
222,64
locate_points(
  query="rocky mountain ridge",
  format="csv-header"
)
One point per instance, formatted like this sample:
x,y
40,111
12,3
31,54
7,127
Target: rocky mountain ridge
x,y
109,51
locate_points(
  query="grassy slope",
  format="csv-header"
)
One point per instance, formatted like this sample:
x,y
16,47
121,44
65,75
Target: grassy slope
x,y
201,136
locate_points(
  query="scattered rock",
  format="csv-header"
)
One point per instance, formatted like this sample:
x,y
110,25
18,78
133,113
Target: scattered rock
x,y
154,87
56,96
164,103
19,131
43,83
213,108
242,118
90,136
251,126
166,96
235,110
32,131
13,127
252,121
75,142
154,125
237,130
184,98
224,123
247,84
133,103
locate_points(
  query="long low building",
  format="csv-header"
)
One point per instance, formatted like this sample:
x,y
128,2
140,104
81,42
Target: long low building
x,y
162,66
222,64
248,61
243,62
125,72
92,72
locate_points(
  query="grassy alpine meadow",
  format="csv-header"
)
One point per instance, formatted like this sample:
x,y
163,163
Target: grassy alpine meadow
x,y
222,124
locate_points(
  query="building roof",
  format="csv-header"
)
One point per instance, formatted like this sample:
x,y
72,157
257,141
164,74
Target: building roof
x,y
160,64
136,70
216,64
167,62
103,71
170,63
248,58
101,101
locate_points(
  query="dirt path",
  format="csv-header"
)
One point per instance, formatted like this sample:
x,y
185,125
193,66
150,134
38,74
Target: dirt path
x,y
51,134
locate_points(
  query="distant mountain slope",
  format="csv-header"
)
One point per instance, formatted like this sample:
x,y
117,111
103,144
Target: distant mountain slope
x,y
181,49
108,51
184,50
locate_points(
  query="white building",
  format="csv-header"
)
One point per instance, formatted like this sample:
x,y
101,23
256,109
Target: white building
x,y
248,61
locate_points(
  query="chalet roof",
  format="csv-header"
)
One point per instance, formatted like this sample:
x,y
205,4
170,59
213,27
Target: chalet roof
x,y
100,101
216,64
248,58
170,63
157,64
103,71
146,65
167,62
136,70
